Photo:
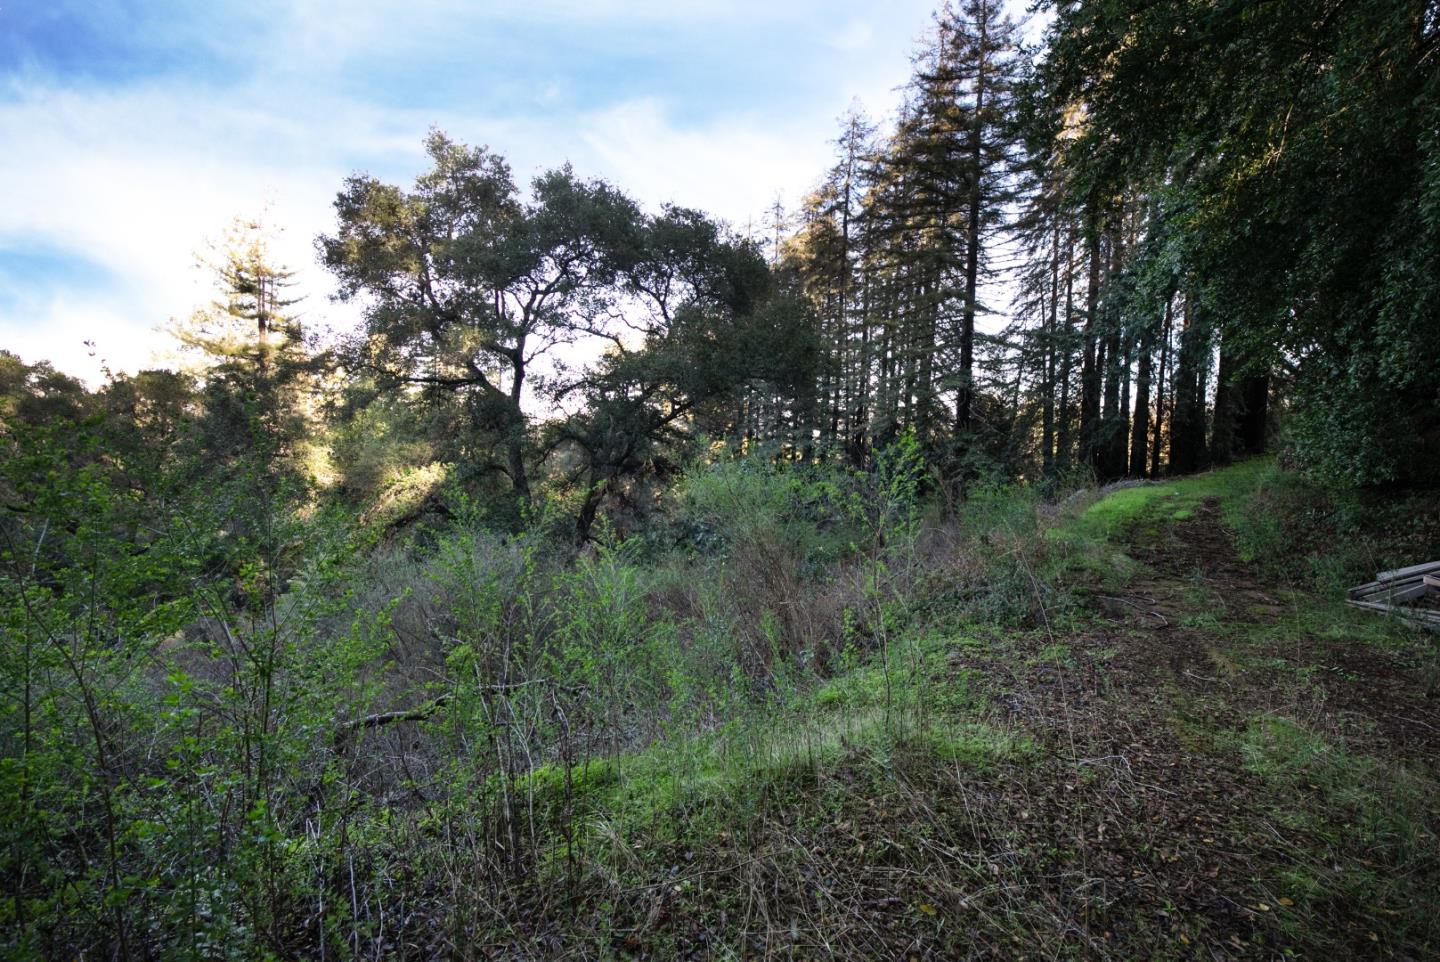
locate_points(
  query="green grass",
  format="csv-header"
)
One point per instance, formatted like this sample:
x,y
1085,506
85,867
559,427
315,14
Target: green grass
x,y
1384,802
891,727
920,710
1087,542
1054,654
1306,620
910,712
1114,514
1332,798
976,745
774,807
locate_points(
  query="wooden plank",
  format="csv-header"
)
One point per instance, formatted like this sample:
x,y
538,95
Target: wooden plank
x,y
1432,581
1422,614
1425,619
1377,589
1414,571
1401,595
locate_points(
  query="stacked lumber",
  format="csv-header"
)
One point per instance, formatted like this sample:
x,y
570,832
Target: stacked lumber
x,y
1412,593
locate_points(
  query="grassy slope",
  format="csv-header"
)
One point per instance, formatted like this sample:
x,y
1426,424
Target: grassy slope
x,y
1189,763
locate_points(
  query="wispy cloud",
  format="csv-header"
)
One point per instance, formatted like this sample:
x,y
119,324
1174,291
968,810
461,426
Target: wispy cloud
x,y
135,131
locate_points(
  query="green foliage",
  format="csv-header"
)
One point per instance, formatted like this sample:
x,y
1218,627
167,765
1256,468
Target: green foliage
x,y
270,722
1331,538
248,353
764,507
374,446
240,721
162,716
466,283
1341,281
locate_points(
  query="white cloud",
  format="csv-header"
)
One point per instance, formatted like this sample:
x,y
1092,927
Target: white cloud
x,y
731,168
80,334
856,35
134,183
132,179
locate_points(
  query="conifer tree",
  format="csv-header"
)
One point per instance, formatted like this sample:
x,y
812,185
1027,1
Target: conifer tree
x,y
247,349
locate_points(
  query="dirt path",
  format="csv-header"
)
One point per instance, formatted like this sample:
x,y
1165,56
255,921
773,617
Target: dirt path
x,y
1174,808
1266,654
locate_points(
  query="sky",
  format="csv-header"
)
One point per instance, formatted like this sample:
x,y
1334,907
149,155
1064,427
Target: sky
x,y
135,131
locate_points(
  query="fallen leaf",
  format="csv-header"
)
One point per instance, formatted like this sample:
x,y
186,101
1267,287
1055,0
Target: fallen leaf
x,y
1286,902
927,908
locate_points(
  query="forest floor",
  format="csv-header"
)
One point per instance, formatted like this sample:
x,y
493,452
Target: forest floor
x,y
1188,763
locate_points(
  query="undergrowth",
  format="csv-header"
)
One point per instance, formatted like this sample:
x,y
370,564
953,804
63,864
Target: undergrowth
x,y
797,675
1326,538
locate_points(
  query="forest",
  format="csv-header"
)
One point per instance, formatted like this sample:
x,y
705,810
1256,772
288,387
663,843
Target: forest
x,y
954,568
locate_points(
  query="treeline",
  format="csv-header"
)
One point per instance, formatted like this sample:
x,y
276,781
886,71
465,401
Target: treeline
x,y
1217,220
480,303
558,346
1214,225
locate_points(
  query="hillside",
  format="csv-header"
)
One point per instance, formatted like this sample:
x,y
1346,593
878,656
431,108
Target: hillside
x,y
1192,762
522,546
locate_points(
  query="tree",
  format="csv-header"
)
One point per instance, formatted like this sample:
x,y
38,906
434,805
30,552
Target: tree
x,y
988,65
935,198
706,327
247,351
465,284
1335,286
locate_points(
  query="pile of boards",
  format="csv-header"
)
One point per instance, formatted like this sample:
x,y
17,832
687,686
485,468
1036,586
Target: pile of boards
x,y
1412,593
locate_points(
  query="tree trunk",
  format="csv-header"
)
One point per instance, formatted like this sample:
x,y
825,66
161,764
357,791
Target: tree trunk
x,y
965,397
930,300
1222,432
1253,420
1160,384
1066,441
1140,432
1187,426
1089,367
1047,386
515,435
1113,418
1241,407
860,428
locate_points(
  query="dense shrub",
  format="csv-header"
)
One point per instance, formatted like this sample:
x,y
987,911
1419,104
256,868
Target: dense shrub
x,y
268,760
1330,538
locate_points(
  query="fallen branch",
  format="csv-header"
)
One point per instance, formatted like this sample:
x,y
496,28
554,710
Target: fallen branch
x,y
345,735
402,715
423,712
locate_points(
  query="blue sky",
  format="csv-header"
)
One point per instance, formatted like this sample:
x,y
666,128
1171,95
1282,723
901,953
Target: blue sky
x,y
136,129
